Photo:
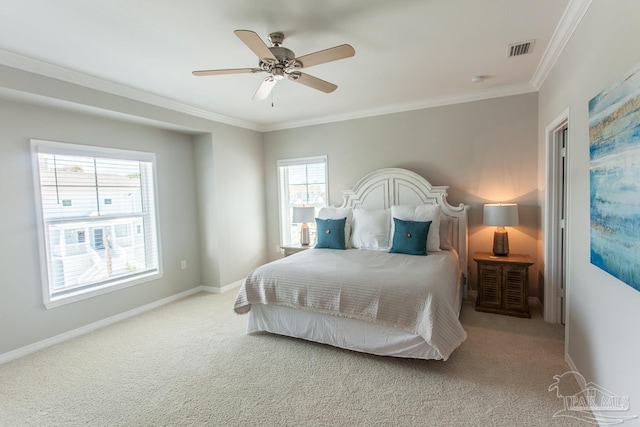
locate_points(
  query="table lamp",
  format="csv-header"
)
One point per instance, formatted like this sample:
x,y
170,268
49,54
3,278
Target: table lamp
x,y
501,215
303,215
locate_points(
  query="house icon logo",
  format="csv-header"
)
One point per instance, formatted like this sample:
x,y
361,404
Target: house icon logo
x,y
589,404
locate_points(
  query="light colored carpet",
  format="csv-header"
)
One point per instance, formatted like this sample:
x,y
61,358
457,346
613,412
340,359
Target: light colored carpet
x,y
191,363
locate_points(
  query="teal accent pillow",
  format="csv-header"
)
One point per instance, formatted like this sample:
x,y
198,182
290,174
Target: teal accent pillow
x,y
330,233
410,237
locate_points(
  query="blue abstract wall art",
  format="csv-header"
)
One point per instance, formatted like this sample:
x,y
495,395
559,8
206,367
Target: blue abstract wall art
x,y
614,172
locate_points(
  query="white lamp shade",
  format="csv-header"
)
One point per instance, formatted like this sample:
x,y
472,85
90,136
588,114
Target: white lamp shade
x,y
501,214
302,214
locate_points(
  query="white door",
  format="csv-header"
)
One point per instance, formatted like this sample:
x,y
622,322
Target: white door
x,y
561,207
556,216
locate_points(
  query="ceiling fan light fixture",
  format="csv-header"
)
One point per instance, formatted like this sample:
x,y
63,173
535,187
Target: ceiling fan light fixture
x,y
278,72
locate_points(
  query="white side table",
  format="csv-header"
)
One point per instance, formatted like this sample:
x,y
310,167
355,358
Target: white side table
x,y
294,248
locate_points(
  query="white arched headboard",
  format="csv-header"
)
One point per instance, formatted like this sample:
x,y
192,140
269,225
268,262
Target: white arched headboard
x,y
384,188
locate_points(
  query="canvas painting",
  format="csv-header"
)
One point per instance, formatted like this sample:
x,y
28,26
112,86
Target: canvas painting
x,y
614,170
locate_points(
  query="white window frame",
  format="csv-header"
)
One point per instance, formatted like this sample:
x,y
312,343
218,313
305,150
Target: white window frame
x,y
151,215
285,217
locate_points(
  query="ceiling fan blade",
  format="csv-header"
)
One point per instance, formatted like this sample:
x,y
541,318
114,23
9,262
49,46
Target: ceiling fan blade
x,y
227,71
327,55
255,43
265,88
312,82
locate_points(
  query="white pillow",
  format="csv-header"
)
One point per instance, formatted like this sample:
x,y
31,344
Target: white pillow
x,y
339,213
371,229
421,213
446,232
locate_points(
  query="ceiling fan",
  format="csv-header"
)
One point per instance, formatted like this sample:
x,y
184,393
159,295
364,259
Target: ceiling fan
x,y
279,62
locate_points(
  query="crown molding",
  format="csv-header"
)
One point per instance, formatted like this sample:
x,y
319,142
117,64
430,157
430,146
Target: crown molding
x,y
24,63
46,69
569,22
401,108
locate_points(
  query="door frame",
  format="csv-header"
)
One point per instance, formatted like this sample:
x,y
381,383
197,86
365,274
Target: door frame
x,y
552,293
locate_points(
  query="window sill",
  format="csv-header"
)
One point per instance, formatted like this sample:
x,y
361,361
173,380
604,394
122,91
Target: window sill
x,y
80,295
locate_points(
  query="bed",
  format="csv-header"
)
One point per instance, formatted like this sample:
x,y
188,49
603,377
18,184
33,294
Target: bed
x,y
358,295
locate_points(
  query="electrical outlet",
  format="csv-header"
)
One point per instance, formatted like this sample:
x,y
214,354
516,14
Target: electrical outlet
x,y
183,264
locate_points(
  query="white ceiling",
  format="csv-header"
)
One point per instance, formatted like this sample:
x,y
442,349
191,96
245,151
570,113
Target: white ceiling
x,y
409,53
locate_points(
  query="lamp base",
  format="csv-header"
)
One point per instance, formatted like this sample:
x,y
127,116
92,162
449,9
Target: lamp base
x,y
304,235
501,242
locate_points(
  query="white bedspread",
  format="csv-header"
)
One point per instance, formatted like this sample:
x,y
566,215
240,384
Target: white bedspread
x,y
416,294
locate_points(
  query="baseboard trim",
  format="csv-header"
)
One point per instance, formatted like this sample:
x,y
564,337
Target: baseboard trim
x,y
535,302
223,289
582,383
65,336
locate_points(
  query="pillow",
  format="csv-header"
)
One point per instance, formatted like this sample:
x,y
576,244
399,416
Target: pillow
x,y
330,233
371,229
339,213
421,213
410,237
446,233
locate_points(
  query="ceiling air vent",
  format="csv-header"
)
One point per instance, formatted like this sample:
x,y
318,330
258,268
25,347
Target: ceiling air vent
x,y
521,48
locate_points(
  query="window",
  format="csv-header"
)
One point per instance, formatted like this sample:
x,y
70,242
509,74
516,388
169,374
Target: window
x,y
301,182
97,219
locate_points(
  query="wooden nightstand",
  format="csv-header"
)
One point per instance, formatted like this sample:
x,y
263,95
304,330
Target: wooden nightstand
x,y
294,248
503,283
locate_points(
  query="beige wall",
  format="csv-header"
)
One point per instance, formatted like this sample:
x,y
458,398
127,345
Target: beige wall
x,y
230,204
603,313
486,151
23,317
215,201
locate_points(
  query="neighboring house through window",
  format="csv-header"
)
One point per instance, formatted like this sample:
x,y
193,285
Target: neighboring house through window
x,y
98,223
301,182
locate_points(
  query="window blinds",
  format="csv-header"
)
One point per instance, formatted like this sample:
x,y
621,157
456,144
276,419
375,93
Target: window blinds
x,y
98,217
